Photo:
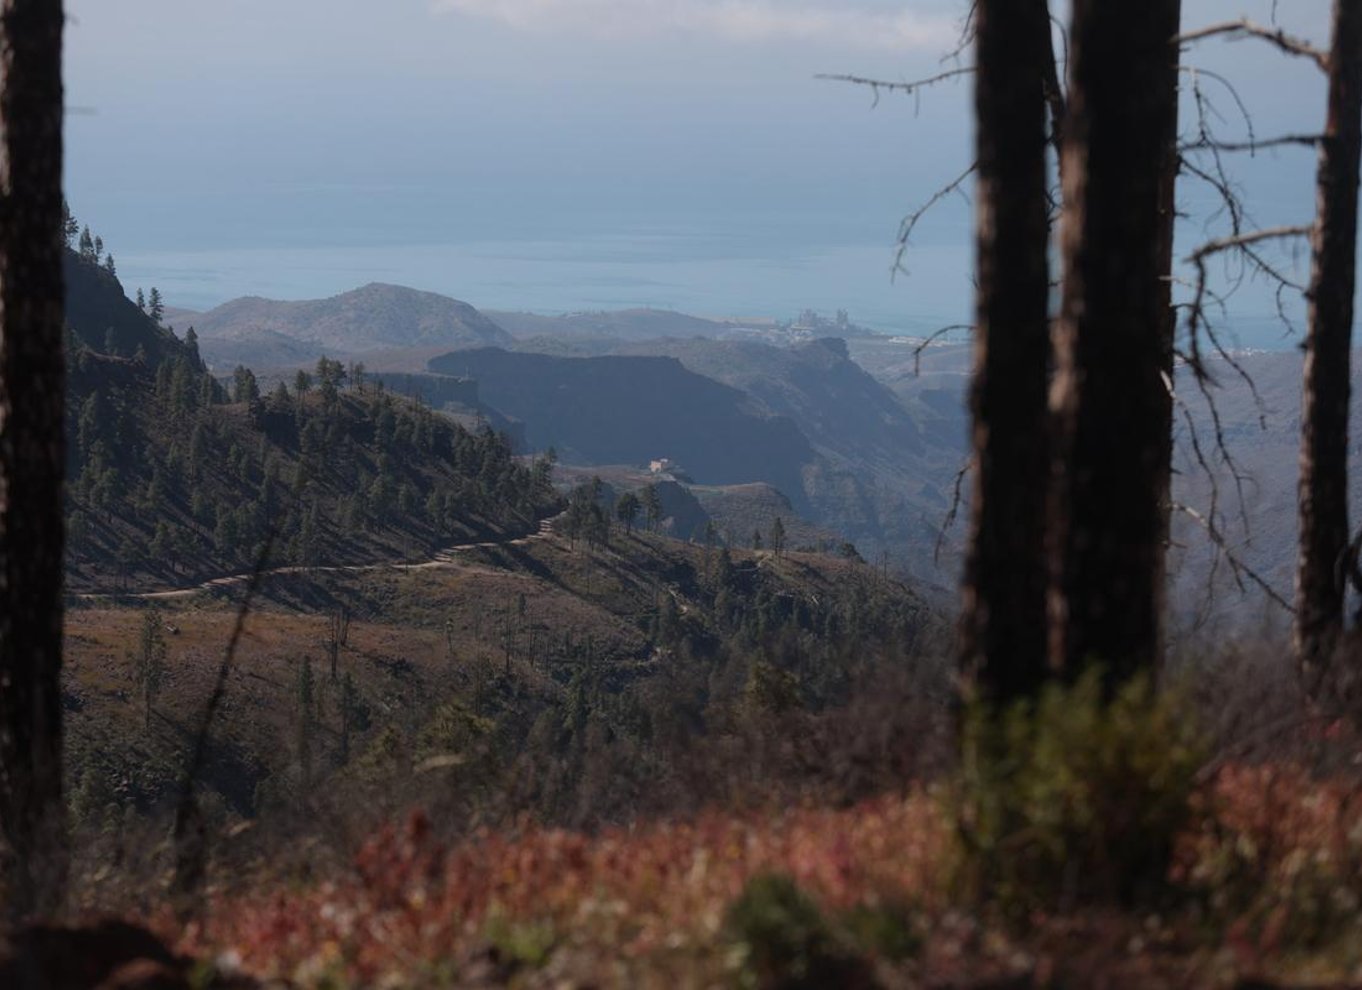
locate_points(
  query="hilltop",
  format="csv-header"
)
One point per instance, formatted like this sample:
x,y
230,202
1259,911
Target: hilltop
x,y
263,332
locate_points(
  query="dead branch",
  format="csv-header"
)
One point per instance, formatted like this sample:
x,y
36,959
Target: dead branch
x,y
189,838
1274,36
932,339
1253,147
903,86
911,221
1240,569
1270,732
1243,240
954,510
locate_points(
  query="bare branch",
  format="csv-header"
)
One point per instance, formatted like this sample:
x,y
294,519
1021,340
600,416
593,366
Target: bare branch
x,y
1252,147
1244,240
1275,36
954,510
932,339
1241,570
189,840
903,86
911,221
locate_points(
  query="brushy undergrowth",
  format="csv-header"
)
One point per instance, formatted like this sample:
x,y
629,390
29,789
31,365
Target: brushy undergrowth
x,y
1081,837
1073,799
1275,862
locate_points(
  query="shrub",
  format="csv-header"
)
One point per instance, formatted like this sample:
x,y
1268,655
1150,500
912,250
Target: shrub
x,y
1277,860
785,943
1074,799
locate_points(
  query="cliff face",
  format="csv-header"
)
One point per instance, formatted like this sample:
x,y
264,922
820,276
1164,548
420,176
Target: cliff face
x,y
630,410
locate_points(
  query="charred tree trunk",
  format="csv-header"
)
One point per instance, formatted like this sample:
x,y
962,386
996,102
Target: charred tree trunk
x,y
1108,394
31,453
1002,625
1323,498
1168,332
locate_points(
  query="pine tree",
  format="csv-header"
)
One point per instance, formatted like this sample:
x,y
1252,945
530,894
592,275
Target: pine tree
x,y
155,307
776,538
626,510
652,506
149,663
70,227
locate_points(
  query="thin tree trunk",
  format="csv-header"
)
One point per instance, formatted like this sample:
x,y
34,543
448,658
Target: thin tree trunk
x,y
1107,397
32,811
1323,496
1002,627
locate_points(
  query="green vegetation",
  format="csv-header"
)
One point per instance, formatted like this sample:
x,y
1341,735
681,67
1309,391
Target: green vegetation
x,y
1075,800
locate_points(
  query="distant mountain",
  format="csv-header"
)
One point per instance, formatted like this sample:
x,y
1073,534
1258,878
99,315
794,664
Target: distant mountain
x,y
264,332
626,324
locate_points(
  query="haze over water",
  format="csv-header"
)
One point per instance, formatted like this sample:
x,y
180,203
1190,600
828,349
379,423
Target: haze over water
x,y
584,155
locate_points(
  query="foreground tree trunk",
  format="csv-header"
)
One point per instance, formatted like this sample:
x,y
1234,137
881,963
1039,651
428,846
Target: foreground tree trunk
x,y
1002,628
1323,496
32,812
1168,182
1108,394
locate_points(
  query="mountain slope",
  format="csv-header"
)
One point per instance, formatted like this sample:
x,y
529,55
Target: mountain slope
x,y
620,410
882,469
171,484
103,318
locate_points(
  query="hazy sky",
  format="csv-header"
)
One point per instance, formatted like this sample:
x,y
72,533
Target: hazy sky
x,y
555,154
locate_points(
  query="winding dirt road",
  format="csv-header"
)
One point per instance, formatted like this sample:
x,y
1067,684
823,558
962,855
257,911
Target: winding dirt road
x,y
447,557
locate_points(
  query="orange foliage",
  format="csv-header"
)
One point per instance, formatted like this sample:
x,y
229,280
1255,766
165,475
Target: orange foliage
x,y
412,902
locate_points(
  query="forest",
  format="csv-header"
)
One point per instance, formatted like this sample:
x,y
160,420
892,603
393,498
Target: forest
x,y
306,682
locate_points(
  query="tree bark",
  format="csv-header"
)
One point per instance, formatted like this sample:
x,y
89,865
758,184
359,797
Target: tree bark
x,y
1108,392
32,385
1168,333
1002,628
1323,493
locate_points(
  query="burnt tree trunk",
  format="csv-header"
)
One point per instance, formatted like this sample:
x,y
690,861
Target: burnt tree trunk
x,y
1108,394
1168,332
31,453
1323,495
1002,628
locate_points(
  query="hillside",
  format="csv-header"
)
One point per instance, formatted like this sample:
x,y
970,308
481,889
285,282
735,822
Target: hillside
x,y
103,318
1262,436
882,474
264,332
171,489
872,467
630,410
523,653
171,483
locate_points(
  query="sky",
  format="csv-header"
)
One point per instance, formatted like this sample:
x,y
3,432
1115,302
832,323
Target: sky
x,y
558,155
